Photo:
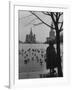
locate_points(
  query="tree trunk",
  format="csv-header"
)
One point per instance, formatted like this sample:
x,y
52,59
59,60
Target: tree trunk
x,y
60,74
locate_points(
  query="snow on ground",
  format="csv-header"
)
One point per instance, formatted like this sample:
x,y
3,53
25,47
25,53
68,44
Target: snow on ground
x,y
32,60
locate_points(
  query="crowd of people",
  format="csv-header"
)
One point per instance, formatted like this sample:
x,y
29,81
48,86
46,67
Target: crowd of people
x,y
41,56
33,55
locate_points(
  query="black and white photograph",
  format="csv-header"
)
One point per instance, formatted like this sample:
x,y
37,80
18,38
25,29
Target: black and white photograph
x,y
40,44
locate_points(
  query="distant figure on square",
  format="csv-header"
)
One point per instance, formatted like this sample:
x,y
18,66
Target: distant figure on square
x,y
51,58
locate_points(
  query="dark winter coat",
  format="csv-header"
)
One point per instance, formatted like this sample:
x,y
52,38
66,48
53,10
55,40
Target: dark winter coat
x,y
51,57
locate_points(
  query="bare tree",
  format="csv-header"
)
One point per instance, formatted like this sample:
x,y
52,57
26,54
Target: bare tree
x,y
58,27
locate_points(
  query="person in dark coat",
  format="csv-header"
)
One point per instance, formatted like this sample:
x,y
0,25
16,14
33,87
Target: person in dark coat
x,y
51,57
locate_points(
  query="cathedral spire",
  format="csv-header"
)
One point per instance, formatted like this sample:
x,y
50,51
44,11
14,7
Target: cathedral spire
x,y
30,38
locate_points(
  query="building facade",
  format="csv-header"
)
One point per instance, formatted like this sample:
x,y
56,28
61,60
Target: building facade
x,y
51,35
30,38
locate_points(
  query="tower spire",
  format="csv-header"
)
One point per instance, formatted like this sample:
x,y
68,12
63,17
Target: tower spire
x,y
52,33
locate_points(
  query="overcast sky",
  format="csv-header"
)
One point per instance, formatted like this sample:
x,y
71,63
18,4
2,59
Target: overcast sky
x,y
26,21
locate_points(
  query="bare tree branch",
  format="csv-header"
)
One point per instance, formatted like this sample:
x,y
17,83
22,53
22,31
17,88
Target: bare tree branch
x,y
41,20
61,30
38,24
46,13
61,25
53,18
60,15
54,14
30,22
25,17
59,22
